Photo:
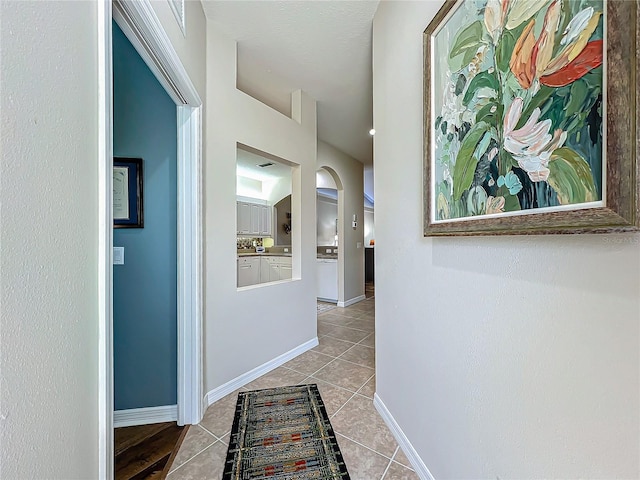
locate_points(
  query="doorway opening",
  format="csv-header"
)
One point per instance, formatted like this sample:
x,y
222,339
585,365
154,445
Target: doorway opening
x,y
143,29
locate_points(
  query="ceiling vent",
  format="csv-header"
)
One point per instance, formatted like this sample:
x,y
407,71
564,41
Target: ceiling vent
x,y
268,164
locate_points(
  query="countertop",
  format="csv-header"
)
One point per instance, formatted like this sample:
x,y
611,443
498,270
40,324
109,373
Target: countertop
x,y
280,254
266,254
251,253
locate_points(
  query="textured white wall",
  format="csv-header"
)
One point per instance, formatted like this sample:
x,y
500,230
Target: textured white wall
x,y
350,172
48,240
245,329
515,357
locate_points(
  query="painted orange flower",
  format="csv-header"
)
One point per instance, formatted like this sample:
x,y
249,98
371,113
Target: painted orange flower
x,y
532,59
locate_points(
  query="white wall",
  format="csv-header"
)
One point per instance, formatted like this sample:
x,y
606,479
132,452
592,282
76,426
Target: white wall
x,y
509,357
245,329
350,201
49,240
280,190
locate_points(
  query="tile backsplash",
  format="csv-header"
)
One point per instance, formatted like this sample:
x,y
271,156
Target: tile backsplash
x,y
324,250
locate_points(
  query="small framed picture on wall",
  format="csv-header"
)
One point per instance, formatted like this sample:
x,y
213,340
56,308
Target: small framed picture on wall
x,y
127,193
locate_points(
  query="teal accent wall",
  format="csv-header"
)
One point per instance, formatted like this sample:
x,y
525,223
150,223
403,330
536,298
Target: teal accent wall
x,y
144,288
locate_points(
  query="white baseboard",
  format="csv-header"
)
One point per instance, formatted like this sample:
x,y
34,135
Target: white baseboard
x,y
416,462
232,385
328,300
144,416
352,301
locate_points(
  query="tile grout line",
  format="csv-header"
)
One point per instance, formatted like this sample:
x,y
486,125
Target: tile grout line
x,y
210,433
339,356
343,405
384,474
364,446
368,380
311,377
194,456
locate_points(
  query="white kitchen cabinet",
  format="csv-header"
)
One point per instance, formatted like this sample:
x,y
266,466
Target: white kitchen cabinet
x,y
256,269
283,267
248,271
274,271
254,219
243,218
286,272
327,279
265,224
264,269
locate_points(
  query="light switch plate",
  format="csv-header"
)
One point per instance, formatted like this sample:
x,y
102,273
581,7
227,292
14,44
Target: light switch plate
x,y
359,245
118,255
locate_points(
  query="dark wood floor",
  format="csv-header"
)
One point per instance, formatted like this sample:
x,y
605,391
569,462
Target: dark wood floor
x,y
143,452
369,289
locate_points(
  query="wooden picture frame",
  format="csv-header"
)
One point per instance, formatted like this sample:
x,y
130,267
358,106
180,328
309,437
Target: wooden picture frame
x,y
128,211
617,209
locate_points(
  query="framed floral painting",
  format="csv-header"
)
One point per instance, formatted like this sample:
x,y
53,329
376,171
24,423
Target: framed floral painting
x,y
531,117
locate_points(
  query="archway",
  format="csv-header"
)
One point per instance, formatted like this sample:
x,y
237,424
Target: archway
x,y
330,234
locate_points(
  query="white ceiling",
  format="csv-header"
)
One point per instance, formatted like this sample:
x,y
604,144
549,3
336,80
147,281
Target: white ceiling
x,y
320,47
247,165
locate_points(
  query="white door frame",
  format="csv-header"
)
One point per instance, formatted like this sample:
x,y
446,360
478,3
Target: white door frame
x,y
142,27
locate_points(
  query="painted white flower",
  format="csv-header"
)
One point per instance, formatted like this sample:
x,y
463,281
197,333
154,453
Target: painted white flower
x,y
532,144
576,25
452,107
522,10
494,14
446,176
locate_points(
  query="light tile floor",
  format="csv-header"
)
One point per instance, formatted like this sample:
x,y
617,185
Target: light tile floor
x,y
343,368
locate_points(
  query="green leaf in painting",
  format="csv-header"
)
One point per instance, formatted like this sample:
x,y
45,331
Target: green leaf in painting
x,y
537,101
488,113
511,202
578,99
571,177
483,79
466,39
461,61
467,161
504,50
508,162
482,146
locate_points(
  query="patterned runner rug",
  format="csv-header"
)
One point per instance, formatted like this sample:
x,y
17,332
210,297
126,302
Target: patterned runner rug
x,y
283,434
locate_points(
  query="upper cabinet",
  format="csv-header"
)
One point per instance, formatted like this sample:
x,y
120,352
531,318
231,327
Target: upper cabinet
x,y
265,221
244,218
254,219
